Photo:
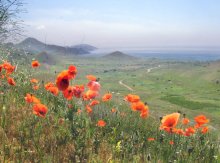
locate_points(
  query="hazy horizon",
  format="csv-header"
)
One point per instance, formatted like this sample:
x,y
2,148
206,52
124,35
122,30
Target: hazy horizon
x,y
125,23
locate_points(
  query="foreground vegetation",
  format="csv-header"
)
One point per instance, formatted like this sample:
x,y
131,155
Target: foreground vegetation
x,y
66,117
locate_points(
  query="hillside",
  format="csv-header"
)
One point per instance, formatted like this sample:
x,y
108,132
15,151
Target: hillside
x,y
36,46
45,58
84,47
117,55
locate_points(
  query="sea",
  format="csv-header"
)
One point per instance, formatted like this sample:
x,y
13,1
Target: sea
x,y
178,54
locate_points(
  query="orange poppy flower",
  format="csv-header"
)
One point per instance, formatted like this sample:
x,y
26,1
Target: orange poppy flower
x,y
72,71
11,81
31,99
185,121
90,95
68,93
78,111
138,106
169,121
101,123
201,120
35,81
205,130
94,102
178,131
144,112
8,67
132,98
40,110
62,80
189,131
113,110
88,109
94,85
151,139
78,90
106,97
91,77
48,85
35,64
171,142
36,87
54,90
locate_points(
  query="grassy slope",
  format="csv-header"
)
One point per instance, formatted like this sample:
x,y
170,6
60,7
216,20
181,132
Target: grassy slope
x,y
166,89
187,87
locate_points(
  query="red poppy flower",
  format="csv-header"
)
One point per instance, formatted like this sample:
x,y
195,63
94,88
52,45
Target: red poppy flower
x,y
54,90
88,109
72,71
205,130
91,77
171,142
31,99
151,139
169,121
36,87
178,131
78,90
137,106
189,131
90,95
78,111
106,97
113,110
185,121
101,123
144,112
132,98
94,102
68,93
94,85
11,81
48,85
35,64
35,81
201,120
40,110
62,80
8,67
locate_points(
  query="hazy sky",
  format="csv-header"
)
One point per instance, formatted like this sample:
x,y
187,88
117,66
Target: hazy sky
x,y
125,23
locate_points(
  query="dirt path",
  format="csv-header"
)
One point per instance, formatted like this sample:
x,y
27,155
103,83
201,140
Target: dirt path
x,y
149,70
131,89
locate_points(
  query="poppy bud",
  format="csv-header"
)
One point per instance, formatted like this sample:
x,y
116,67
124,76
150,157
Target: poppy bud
x,y
145,103
161,118
98,79
190,150
179,111
184,115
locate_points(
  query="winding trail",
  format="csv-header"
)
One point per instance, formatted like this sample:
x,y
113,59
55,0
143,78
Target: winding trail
x,y
131,89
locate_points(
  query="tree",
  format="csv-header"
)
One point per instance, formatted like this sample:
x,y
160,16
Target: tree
x,y
10,22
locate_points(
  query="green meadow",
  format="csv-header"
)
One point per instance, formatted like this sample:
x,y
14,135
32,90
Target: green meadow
x,y
65,135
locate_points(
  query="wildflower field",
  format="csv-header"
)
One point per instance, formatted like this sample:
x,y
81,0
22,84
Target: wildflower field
x,y
80,111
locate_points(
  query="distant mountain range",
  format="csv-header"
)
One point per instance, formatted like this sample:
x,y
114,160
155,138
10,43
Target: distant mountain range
x,y
35,46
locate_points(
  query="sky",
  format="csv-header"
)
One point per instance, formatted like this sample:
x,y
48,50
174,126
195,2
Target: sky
x,y
124,23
